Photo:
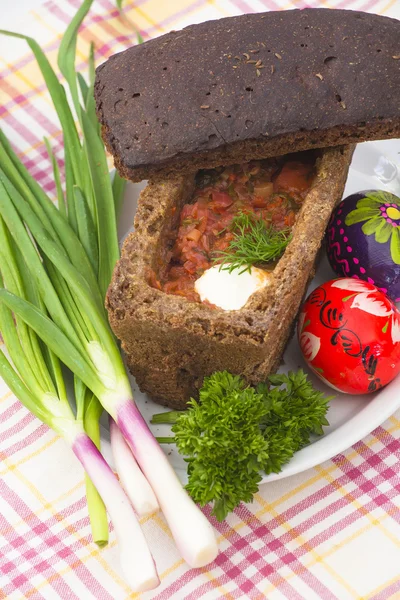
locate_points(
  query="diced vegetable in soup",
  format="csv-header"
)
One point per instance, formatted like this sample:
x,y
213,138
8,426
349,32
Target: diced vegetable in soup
x,y
270,191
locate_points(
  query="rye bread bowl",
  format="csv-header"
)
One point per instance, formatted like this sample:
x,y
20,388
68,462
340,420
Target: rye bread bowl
x,y
172,343
251,86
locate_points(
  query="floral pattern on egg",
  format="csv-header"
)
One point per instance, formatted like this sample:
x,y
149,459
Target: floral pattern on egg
x,y
349,335
363,240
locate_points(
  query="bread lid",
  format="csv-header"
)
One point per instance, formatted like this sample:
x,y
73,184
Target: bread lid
x,y
250,86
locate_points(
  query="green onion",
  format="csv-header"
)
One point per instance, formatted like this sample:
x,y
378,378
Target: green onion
x,y
57,179
99,365
69,255
80,220
138,36
50,404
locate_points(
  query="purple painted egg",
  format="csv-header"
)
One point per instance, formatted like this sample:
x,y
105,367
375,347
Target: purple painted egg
x,y
363,240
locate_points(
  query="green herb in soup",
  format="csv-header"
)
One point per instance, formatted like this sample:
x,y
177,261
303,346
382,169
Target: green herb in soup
x,y
241,215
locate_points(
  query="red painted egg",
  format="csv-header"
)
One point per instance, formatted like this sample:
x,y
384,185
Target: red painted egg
x,y
349,334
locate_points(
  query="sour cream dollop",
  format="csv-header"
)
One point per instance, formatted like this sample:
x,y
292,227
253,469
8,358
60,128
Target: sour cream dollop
x,y
230,291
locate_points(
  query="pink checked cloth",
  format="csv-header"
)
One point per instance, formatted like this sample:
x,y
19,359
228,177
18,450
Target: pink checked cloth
x,y
331,533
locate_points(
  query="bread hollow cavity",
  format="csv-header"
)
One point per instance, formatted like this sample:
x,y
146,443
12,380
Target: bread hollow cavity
x,y
233,228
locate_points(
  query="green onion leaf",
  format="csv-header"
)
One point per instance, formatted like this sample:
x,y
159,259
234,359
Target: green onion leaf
x,y
106,221
86,228
90,105
69,192
28,250
60,102
53,337
83,86
27,186
19,389
8,162
57,179
97,512
91,65
43,360
17,354
118,188
77,283
67,52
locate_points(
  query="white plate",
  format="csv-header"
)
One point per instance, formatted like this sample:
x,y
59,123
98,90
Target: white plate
x,y
350,417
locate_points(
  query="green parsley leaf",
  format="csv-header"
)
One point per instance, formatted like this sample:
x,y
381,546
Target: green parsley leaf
x,y
236,432
223,443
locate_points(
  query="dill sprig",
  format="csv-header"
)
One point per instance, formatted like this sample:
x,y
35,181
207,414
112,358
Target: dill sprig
x,y
254,243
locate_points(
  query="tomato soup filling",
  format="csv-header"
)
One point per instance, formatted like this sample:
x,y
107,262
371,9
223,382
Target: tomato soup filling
x,y
270,190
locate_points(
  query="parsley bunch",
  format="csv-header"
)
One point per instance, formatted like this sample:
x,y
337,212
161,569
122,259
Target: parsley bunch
x,y
237,432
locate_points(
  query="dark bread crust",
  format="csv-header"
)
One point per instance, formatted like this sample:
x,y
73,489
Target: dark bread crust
x,y
171,343
184,101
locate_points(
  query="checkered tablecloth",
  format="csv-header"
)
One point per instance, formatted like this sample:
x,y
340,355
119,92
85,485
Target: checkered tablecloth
x,y
331,533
